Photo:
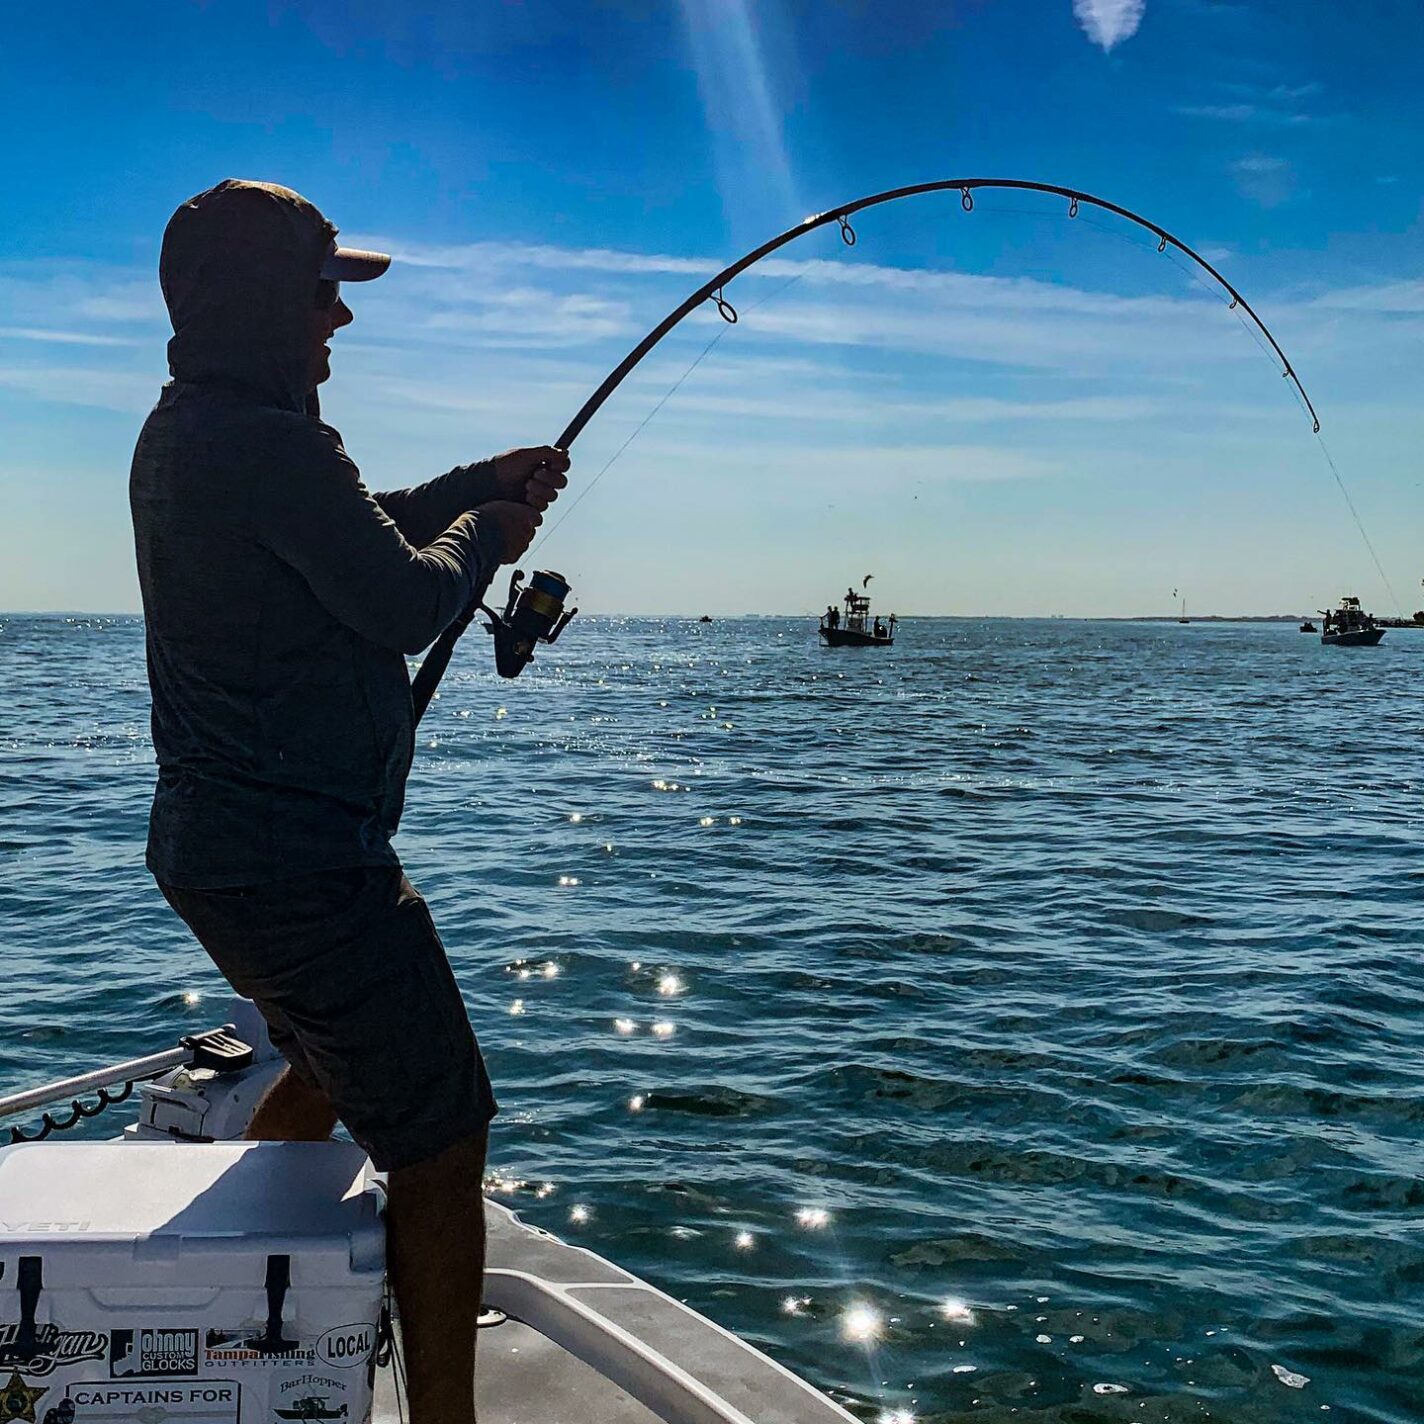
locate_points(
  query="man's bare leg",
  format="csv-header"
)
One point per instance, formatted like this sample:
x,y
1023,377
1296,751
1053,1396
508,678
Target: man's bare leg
x,y
436,1239
292,1111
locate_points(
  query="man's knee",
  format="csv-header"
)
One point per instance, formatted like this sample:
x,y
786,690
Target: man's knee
x,y
293,1110
458,1167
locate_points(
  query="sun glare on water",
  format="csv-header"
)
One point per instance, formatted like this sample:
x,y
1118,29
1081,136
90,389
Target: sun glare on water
x,y
862,1322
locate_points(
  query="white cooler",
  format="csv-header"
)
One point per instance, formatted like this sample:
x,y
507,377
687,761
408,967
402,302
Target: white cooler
x,y
209,1283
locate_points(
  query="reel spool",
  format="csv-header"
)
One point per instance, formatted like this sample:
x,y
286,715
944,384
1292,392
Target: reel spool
x,y
533,614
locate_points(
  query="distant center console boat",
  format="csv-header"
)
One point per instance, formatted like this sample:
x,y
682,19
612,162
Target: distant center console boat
x,y
854,628
1348,626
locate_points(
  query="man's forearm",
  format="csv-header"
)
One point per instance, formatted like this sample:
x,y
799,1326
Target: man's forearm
x,y
424,512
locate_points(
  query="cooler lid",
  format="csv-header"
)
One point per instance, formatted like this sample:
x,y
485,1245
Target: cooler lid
x,y
206,1194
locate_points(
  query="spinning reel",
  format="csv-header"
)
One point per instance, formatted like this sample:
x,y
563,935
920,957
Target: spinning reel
x,y
533,614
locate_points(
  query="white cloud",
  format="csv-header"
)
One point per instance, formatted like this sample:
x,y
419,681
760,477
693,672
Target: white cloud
x,y
66,338
1280,104
68,296
1401,298
493,337
1235,113
100,388
486,256
1108,22
852,406
534,317
845,469
1264,179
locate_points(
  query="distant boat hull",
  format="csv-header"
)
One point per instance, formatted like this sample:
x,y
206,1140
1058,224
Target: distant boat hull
x,y
1354,637
849,638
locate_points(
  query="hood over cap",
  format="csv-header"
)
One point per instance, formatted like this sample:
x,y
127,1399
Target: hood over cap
x,y
239,272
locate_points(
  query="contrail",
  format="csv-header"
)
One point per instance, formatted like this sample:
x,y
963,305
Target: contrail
x,y
1109,22
743,118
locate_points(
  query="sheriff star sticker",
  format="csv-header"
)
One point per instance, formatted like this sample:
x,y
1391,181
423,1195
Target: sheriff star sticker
x,y
18,1400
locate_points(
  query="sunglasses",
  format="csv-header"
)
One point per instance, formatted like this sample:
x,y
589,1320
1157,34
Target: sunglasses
x,y
327,292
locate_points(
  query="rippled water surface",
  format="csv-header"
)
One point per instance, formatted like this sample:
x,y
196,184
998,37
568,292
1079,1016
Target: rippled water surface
x,y
1021,1023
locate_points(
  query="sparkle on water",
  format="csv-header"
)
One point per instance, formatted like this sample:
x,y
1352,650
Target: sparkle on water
x,y
862,1323
1065,962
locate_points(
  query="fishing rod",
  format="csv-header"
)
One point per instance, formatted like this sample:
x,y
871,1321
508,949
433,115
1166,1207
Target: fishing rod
x,y
535,613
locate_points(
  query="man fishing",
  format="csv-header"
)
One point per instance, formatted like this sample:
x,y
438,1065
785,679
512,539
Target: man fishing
x,y
280,600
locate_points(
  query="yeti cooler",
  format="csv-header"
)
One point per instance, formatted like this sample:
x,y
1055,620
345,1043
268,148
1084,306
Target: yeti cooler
x,y
208,1283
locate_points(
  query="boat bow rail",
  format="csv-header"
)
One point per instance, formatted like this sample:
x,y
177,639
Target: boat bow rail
x,y
682,1367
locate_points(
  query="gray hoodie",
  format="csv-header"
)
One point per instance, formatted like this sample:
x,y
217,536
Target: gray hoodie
x,y
279,595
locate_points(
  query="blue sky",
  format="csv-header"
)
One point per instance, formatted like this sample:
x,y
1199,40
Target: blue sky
x,y
1000,412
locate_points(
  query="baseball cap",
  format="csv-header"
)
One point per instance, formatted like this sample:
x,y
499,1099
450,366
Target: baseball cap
x,y
351,264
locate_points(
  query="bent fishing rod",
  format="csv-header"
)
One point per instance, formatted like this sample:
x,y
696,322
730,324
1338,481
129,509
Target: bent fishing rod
x,y
536,613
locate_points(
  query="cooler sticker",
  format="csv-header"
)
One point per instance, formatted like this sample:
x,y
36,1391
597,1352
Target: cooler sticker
x,y
134,1354
53,1347
18,1399
347,1345
240,1347
188,1402
311,1397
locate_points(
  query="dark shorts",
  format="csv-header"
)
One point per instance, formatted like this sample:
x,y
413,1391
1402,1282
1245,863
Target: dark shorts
x,y
351,977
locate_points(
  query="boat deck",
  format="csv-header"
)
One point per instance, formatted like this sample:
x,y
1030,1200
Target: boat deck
x,y
524,1379
609,1348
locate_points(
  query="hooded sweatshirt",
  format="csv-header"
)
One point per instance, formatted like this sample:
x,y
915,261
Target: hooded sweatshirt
x,y
279,596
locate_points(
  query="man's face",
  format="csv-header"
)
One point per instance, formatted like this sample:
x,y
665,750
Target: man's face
x,y
329,315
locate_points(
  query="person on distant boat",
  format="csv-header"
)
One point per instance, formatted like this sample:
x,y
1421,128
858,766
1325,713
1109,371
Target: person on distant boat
x,y
280,601
879,627
833,616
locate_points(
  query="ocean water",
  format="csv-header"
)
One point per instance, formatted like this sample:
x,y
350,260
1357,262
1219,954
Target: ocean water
x,y
1022,1023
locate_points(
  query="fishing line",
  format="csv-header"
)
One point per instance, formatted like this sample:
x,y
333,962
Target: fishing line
x,y
1330,460
671,391
1196,277
588,488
